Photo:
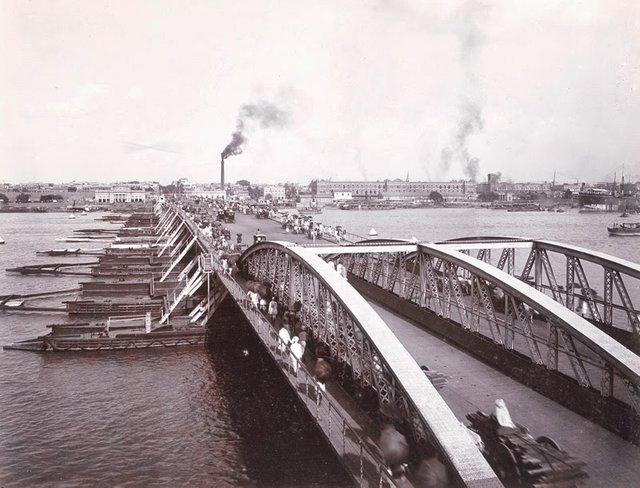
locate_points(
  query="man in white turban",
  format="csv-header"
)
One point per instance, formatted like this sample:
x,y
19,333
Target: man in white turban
x,y
502,415
296,354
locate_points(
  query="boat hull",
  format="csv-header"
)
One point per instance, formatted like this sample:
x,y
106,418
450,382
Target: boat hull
x,y
121,342
625,229
613,232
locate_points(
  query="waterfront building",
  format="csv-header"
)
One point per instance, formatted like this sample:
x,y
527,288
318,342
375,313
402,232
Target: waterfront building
x,y
508,191
277,192
120,195
451,191
342,195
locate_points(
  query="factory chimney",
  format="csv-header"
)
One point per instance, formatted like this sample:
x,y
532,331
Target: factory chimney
x,y
222,172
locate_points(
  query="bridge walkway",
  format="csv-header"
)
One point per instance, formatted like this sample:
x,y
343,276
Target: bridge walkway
x,y
347,428
473,385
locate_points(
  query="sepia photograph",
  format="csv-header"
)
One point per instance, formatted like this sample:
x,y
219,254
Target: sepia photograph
x,y
301,243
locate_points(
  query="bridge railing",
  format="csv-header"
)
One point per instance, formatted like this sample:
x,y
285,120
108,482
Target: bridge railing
x,y
363,459
597,286
537,328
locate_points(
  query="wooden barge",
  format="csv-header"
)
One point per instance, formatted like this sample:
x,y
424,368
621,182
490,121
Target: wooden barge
x,y
102,337
115,308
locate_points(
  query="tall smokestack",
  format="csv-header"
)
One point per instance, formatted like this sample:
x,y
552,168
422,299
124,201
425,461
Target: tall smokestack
x,y
264,113
222,172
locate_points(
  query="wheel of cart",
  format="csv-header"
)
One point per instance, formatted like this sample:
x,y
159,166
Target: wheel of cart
x,y
506,465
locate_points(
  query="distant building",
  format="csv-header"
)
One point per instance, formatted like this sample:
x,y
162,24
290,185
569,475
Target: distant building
x,y
492,182
120,195
277,192
342,195
508,191
213,193
451,191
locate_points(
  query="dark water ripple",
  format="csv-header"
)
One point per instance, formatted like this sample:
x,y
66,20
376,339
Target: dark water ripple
x,y
90,419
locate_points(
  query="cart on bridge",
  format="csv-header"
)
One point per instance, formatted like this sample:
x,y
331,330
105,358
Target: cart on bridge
x,y
227,216
519,460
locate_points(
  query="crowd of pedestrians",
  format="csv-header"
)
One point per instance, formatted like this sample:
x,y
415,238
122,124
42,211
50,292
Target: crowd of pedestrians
x,y
295,341
305,225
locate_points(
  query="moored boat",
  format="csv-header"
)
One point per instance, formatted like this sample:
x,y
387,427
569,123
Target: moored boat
x,y
625,229
1,240
101,337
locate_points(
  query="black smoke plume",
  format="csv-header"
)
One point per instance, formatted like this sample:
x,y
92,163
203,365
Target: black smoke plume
x,y
265,114
470,39
457,150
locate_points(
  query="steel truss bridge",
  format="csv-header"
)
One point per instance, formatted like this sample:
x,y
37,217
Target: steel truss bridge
x,y
524,317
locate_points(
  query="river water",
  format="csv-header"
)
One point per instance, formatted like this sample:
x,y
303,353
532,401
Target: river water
x,y
177,417
191,417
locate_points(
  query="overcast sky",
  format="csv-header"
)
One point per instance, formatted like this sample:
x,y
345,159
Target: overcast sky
x,y
153,89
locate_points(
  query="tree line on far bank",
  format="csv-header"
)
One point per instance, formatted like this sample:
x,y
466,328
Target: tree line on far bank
x,y
26,198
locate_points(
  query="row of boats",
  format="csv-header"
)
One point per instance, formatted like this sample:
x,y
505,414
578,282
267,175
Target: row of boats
x,y
133,304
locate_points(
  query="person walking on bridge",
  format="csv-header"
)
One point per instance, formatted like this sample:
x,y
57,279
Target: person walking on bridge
x,y
284,339
255,300
273,309
296,354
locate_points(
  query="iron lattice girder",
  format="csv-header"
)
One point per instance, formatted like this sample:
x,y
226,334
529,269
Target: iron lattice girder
x,y
489,309
570,280
525,323
367,340
457,293
552,348
606,261
612,266
624,267
607,349
548,269
574,358
507,257
626,301
574,256
433,286
531,259
608,296
586,290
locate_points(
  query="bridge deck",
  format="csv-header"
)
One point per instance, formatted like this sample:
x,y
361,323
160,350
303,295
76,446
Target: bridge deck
x,y
473,385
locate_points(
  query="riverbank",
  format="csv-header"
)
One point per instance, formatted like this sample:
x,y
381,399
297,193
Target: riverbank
x,y
52,207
